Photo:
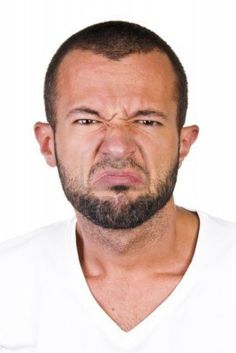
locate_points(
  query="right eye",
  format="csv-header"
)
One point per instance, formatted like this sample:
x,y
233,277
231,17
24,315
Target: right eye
x,y
85,121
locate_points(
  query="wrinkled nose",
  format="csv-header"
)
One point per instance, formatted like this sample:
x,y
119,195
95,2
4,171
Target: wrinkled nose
x,y
118,143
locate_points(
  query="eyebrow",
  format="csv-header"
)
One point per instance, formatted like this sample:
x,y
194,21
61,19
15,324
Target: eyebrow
x,y
144,112
83,110
147,112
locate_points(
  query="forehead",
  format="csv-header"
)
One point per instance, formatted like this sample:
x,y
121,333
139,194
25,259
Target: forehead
x,y
84,74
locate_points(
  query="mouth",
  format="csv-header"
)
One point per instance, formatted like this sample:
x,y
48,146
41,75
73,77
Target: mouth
x,y
112,177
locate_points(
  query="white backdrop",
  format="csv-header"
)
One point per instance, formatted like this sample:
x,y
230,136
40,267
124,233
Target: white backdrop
x,y
202,32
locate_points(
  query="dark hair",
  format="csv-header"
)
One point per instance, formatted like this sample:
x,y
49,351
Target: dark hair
x,y
115,40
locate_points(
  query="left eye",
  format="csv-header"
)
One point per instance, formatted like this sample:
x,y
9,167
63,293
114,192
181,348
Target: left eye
x,y
148,122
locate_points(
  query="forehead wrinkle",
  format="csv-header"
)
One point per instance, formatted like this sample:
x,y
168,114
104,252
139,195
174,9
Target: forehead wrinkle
x,y
117,103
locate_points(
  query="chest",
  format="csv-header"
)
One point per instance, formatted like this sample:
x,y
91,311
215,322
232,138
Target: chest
x,y
130,302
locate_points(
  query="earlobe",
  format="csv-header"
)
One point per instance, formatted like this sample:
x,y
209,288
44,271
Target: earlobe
x,y
45,137
188,136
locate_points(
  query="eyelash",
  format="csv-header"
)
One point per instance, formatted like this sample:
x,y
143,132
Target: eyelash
x,y
149,122
93,122
87,121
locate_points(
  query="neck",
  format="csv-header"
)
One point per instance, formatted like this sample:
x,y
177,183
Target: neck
x,y
149,247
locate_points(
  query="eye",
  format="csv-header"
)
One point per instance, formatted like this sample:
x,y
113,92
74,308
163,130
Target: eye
x,y
85,121
148,122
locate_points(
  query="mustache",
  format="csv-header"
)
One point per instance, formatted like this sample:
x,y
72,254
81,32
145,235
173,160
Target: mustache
x,y
117,164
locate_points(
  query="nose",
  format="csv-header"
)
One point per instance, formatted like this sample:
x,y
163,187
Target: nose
x,y
118,143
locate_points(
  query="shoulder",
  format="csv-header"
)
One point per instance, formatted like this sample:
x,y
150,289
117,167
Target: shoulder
x,y
26,262
36,237
217,240
27,248
217,227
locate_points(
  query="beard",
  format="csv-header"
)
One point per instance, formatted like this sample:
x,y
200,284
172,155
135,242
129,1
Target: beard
x,y
120,213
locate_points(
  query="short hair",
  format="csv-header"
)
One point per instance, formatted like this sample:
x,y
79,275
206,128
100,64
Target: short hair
x,y
115,40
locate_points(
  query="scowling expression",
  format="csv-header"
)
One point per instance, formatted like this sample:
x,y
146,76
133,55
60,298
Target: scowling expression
x,y
116,143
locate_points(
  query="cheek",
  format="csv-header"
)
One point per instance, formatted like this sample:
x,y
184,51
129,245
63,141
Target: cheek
x,y
76,154
161,154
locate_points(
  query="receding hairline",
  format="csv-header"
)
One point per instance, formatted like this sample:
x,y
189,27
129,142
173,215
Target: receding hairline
x,y
57,72
115,40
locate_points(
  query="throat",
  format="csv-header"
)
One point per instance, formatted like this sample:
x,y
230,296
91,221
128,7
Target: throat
x,y
124,241
131,273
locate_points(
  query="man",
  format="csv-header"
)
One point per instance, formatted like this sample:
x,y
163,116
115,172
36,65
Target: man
x,y
132,272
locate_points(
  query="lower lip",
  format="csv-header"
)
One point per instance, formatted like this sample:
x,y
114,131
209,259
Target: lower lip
x,y
109,179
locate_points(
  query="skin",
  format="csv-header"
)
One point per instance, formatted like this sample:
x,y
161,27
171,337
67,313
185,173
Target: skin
x,y
151,258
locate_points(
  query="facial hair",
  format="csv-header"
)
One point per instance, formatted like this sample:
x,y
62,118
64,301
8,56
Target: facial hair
x,y
108,213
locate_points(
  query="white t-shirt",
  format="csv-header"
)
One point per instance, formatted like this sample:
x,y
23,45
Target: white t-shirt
x,y
46,305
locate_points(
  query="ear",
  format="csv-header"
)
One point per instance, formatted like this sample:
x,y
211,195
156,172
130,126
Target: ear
x,y
188,136
45,137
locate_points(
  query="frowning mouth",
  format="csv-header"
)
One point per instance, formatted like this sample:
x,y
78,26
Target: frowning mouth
x,y
113,177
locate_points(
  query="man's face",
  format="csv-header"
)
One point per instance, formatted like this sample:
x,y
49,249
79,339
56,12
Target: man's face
x,y
116,135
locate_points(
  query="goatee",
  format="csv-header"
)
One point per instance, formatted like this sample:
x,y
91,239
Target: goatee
x,y
108,213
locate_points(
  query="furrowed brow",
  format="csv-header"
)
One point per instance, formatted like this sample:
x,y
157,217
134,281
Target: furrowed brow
x,y
147,112
83,110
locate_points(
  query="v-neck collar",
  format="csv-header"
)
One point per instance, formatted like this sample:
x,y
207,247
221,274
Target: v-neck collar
x,y
102,320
